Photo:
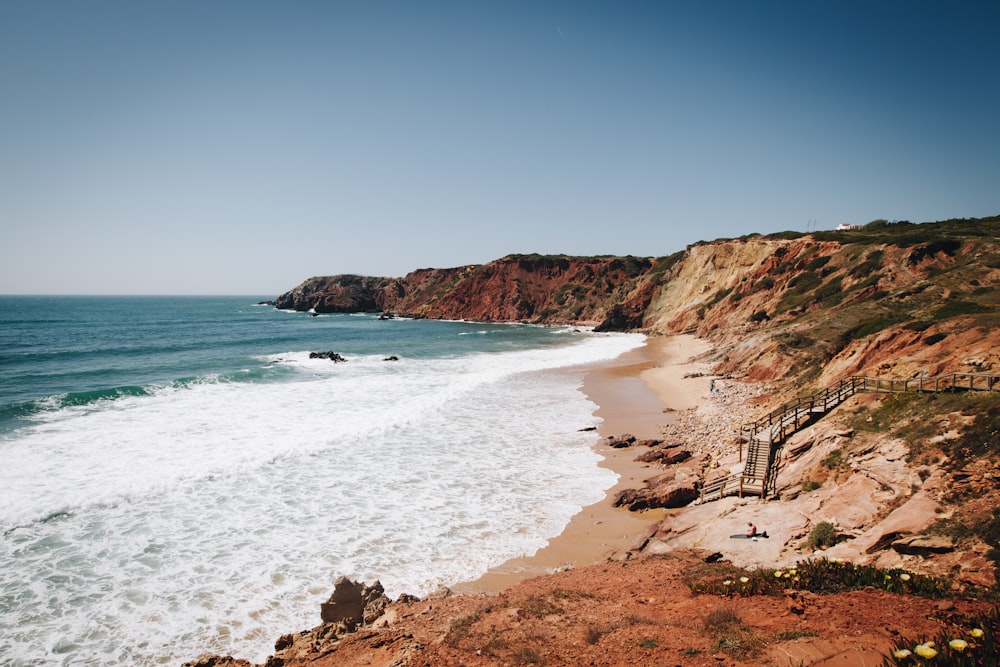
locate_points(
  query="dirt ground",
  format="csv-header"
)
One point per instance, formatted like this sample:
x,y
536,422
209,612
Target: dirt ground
x,y
642,612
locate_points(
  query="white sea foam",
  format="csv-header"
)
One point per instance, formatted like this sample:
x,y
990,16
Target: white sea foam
x,y
214,516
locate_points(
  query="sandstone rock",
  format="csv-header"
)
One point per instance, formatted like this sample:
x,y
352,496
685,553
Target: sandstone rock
x,y
665,455
354,602
664,491
217,661
923,545
621,441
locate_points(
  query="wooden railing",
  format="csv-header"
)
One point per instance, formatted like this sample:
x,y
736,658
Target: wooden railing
x,y
764,436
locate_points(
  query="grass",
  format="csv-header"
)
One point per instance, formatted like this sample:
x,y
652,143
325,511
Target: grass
x,y
793,634
721,617
725,625
739,642
834,459
594,633
957,308
872,263
916,418
538,606
872,326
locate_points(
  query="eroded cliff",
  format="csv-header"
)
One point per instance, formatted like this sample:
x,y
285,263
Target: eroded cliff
x,y
806,309
530,288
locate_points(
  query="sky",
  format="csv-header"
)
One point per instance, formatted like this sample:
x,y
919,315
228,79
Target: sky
x,y
241,147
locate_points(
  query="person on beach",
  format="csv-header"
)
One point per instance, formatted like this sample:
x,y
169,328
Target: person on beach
x,y
751,529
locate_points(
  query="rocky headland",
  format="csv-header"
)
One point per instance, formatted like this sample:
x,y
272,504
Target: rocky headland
x,y
905,483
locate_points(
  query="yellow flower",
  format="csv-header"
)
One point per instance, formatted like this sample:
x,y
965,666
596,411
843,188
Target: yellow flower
x,y
726,582
793,571
976,632
958,644
744,580
899,654
925,651
777,574
904,577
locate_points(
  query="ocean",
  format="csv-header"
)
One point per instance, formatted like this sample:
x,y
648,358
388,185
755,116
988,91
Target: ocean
x,y
178,477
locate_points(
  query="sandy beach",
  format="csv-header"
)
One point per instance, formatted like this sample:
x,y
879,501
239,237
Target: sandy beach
x,y
636,393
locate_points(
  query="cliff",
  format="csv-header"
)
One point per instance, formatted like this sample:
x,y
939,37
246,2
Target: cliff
x,y
791,308
613,291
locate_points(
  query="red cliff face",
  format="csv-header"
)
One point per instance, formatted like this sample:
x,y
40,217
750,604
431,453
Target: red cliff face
x,y
532,288
537,289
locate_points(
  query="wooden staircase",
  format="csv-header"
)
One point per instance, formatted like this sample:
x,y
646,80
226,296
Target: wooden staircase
x,y
765,436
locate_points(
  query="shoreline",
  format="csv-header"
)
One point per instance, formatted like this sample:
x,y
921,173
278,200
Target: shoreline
x,y
636,393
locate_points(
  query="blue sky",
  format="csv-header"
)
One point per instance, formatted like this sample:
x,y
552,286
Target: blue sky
x,y
240,147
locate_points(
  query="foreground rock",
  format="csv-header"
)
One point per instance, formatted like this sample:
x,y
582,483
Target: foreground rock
x,y
351,606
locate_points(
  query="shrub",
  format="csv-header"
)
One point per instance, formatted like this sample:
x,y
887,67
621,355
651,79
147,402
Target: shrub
x,y
956,308
834,459
804,282
818,263
935,338
832,292
796,341
947,246
719,296
871,326
823,535
872,263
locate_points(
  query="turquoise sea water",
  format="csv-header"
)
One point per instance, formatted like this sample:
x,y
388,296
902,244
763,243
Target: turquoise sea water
x,y
178,476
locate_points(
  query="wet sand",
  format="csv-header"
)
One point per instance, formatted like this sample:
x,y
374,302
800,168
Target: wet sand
x,y
636,394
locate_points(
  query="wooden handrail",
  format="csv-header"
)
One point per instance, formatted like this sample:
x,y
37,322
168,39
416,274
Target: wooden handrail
x,y
798,411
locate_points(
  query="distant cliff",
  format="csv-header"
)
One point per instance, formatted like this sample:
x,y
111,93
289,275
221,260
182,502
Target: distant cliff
x,y
609,292
807,308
